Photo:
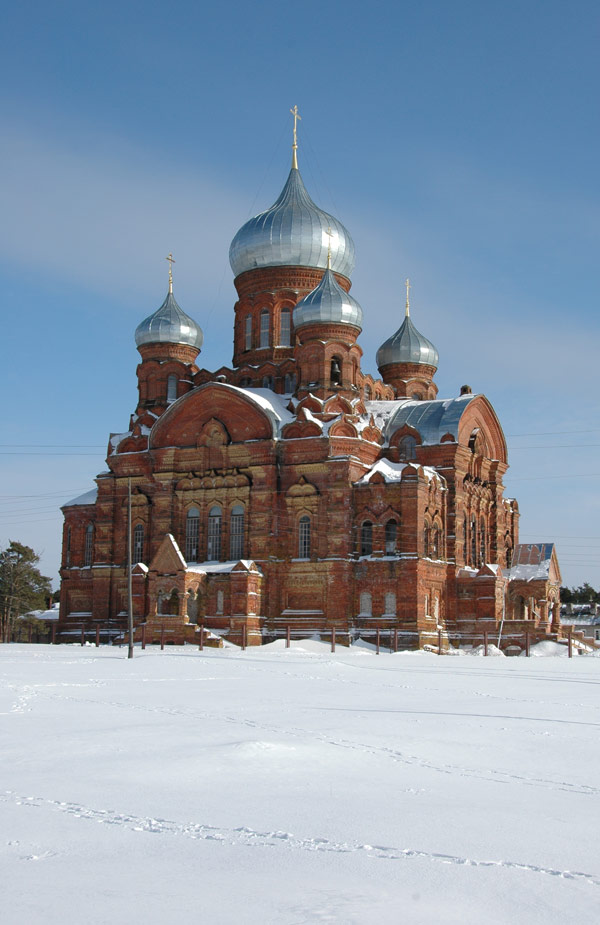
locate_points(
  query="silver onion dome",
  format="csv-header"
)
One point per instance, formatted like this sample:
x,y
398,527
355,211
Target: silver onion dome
x,y
407,345
169,325
328,302
293,232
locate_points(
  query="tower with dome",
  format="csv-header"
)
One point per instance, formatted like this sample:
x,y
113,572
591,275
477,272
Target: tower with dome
x,y
291,493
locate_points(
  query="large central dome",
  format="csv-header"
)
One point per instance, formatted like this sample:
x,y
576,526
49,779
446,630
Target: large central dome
x,y
293,232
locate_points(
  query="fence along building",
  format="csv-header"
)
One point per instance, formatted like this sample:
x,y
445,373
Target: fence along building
x,y
292,489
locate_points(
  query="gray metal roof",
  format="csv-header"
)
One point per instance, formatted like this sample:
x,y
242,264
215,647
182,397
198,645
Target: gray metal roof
x,y
169,325
407,345
432,419
328,302
293,232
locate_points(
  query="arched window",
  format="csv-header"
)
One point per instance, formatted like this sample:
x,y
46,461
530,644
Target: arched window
x,y
416,396
169,603
213,548
245,382
248,333
435,542
220,601
268,382
508,556
236,533
89,545
391,534
473,526
367,393
482,541
335,373
304,537
192,532
264,328
138,543
366,538
390,604
407,447
68,548
172,387
289,384
465,541
426,540
285,332
366,604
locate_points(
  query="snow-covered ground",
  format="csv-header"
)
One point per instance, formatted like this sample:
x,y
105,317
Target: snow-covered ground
x,y
291,786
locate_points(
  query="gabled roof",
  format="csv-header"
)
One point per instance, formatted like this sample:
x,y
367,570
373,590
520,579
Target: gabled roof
x,y
534,562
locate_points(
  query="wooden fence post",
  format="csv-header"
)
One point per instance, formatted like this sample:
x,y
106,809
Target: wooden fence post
x,y
527,643
201,643
570,643
485,643
143,635
54,634
287,637
396,639
377,641
82,634
162,637
333,639
97,635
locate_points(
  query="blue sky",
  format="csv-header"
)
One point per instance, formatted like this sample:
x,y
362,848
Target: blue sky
x,y
457,141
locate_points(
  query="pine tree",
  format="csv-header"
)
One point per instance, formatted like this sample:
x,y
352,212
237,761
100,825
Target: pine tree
x,y
22,587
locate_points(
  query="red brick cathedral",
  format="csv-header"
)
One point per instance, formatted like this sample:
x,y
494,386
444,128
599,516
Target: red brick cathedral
x,y
294,490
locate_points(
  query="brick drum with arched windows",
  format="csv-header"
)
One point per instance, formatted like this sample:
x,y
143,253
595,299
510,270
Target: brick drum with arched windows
x,y
292,489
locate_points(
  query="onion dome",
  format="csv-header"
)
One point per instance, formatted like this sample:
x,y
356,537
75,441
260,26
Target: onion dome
x,y
328,303
407,345
169,325
293,232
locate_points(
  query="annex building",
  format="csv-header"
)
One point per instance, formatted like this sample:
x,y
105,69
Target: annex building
x,y
292,489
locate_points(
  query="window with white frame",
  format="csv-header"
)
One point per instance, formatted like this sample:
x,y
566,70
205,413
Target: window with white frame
x,y
304,537
285,330
192,533
236,532
264,328
248,333
366,604
213,545
390,603
172,387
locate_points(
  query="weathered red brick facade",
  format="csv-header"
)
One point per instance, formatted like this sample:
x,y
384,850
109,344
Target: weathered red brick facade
x,y
292,490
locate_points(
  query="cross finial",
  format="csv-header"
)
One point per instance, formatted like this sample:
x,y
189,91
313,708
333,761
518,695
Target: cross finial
x,y
171,262
329,234
296,116
407,298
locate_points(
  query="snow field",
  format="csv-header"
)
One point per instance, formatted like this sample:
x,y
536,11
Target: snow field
x,y
296,785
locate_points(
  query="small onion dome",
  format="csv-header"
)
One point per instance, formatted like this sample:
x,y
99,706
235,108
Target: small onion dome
x,y
293,232
328,303
169,325
407,345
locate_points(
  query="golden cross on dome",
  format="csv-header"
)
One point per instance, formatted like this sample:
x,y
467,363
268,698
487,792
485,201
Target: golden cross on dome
x,y
330,234
171,262
407,298
296,116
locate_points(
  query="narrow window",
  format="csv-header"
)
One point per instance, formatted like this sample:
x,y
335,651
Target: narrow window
x,y
335,374
138,543
288,386
407,447
236,533
192,532
192,607
391,532
435,542
220,601
248,333
367,393
89,545
366,538
285,328
268,382
482,541
172,387
473,541
390,604
304,537
366,604
68,549
264,328
213,553
426,540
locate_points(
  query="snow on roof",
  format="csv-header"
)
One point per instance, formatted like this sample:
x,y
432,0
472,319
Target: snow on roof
x,y
216,567
531,561
88,498
271,402
392,472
